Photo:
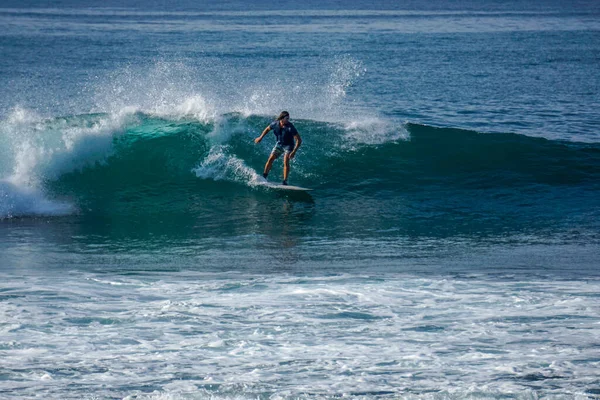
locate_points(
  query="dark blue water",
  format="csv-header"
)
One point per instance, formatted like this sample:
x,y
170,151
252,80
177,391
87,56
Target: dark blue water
x,y
449,249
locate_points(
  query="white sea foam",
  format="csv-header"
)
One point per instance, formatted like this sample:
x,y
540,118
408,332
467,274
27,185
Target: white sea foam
x,y
203,335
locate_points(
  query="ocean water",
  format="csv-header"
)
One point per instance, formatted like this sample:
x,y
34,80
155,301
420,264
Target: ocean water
x,y
450,248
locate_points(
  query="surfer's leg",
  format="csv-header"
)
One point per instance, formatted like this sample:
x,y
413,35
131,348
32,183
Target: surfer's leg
x,y
286,167
269,163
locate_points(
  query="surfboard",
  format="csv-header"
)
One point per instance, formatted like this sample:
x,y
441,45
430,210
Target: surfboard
x,y
279,186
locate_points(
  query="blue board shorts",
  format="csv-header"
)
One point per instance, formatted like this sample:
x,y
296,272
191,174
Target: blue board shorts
x,y
279,149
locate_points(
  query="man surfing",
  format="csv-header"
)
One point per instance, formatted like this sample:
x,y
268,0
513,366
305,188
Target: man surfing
x,y
288,142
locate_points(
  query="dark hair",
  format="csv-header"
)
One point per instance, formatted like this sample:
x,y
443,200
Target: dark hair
x,y
283,115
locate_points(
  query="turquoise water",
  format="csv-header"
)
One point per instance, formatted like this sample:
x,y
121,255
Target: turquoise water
x,y
449,249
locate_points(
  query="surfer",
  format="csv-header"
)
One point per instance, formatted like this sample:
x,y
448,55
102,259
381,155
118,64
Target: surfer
x,y
288,142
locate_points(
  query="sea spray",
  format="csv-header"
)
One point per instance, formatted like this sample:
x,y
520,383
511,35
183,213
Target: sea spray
x,y
18,201
205,90
219,165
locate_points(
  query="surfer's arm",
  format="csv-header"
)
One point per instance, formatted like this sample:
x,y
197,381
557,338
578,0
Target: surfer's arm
x,y
262,135
297,146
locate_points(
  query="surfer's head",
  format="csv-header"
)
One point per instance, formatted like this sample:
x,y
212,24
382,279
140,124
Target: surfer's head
x,y
283,116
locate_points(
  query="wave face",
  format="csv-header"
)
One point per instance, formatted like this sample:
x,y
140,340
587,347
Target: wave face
x,y
368,175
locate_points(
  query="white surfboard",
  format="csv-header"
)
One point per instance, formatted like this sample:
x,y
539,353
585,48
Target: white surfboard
x,y
279,186
287,187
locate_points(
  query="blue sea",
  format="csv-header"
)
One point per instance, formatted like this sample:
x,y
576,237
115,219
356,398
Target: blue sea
x,y
449,249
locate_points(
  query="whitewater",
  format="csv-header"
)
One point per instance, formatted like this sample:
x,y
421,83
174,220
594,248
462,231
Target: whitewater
x,y
185,335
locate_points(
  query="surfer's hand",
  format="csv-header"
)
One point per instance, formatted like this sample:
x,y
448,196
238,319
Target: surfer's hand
x,y
257,140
